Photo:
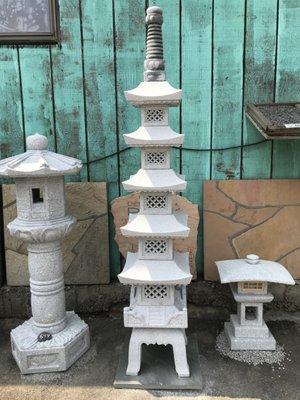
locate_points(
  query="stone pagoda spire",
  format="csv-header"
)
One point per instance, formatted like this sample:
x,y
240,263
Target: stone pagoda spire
x,y
157,274
52,339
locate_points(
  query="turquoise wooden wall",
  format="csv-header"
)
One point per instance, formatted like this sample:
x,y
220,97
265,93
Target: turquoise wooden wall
x,y
223,53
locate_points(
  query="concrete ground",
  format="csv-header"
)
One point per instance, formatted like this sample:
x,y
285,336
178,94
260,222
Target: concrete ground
x,y
92,376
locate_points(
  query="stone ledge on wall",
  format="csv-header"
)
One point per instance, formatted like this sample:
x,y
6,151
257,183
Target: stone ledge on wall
x,y
207,300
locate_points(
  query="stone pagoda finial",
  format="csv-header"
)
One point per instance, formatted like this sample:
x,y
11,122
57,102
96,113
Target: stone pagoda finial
x,y
154,64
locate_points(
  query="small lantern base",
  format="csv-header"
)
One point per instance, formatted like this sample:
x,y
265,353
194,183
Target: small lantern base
x,y
56,354
242,337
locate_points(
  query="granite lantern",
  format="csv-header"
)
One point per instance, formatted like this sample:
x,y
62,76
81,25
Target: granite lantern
x,y
52,339
158,275
249,285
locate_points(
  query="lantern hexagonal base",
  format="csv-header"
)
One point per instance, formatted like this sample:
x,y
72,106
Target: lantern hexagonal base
x,y
56,354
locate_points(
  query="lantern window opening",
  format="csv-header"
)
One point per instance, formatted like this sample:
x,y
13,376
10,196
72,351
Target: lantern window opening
x,y
251,313
37,195
252,287
154,116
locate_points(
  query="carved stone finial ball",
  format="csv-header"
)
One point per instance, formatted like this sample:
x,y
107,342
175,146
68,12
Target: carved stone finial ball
x,y
36,142
154,15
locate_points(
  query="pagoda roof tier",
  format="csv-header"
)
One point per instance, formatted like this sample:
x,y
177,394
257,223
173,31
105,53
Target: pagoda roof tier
x,y
160,92
163,225
169,272
153,136
164,180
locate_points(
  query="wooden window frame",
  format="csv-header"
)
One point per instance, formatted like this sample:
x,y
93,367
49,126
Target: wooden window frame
x,y
32,38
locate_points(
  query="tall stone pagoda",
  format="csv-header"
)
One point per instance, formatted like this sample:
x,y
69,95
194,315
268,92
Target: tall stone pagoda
x,y
157,274
52,339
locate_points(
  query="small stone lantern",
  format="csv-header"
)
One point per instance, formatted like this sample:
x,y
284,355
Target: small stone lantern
x,y
249,284
52,339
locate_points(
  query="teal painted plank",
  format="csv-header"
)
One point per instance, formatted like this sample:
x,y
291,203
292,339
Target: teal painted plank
x,y
196,103
171,40
11,126
99,78
227,87
258,82
130,49
286,152
37,92
68,86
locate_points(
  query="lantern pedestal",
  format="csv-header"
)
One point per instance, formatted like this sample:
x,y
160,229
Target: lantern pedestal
x,y
52,339
56,354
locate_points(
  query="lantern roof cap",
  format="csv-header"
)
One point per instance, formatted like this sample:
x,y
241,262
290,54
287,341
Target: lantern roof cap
x,y
252,268
37,161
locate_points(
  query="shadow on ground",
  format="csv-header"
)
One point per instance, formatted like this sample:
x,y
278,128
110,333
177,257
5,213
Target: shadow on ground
x,y
92,376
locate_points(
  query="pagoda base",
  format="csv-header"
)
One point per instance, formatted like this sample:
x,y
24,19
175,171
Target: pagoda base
x,y
157,371
241,337
56,354
175,337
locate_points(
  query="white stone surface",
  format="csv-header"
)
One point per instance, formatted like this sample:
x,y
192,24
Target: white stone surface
x,y
42,224
240,270
153,93
169,272
175,337
157,306
250,342
153,136
247,330
37,161
158,277
155,180
141,225
57,354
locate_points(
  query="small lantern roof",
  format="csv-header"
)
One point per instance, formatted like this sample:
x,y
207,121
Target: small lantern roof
x,y
37,161
253,269
168,272
147,225
153,136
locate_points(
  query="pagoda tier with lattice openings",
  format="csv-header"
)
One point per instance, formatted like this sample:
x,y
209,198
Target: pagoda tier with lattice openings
x,y
157,274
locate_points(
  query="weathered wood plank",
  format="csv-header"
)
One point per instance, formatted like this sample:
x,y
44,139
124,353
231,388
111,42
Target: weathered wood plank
x,y
258,81
99,76
68,86
286,152
171,39
11,125
196,103
35,69
228,34
130,36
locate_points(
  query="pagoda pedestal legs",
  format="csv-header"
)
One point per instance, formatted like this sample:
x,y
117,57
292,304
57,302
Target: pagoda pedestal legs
x,y
175,337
